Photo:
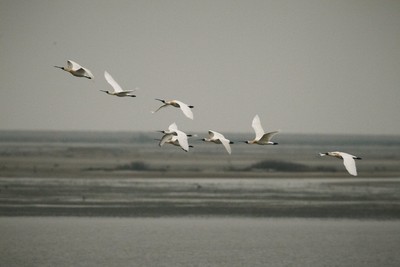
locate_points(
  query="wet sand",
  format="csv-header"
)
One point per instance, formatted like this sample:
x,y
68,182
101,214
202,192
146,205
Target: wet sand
x,y
152,197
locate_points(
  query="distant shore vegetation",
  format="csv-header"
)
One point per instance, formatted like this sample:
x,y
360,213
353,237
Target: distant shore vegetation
x,y
264,165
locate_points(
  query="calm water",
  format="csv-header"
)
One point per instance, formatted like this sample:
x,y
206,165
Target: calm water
x,y
72,241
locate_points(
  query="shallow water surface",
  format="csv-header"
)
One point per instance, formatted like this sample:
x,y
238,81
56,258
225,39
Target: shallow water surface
x,y
197,241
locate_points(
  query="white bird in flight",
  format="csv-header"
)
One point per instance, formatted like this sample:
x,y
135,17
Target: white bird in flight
x,y
174,141
174,133
117,90
348,160
178,104
218,138
77,70
261,138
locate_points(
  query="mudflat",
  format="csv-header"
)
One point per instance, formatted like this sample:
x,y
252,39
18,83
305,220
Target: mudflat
x,y
92,174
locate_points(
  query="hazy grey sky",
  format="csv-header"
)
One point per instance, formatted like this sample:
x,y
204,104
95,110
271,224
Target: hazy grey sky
x,y
303,66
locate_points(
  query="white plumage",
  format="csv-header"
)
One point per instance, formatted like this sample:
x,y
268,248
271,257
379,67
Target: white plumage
x,y
77,70
174,135
117,90
218,138
186,109
261,137
348,160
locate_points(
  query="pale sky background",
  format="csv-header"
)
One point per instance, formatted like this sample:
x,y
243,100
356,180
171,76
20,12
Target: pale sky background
x,y
303,66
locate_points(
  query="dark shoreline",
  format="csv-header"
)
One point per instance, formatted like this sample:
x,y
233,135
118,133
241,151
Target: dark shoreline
x,y
374,212
369,198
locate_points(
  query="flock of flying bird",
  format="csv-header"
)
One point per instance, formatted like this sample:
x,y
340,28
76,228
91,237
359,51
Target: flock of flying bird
x,y
178,138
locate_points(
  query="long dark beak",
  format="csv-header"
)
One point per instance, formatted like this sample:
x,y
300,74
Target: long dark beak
x,y
160,100
59,67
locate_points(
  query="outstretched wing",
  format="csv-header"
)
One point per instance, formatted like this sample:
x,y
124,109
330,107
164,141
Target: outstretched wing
x,y
256,124
72,65
117,88
78,69
88,73
173,127
185,109
182,139
226,142
212,134
267,137
349,163
165,138
221,138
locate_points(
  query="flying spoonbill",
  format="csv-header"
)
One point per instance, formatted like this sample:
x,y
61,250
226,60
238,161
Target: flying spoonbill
x,y
180,136
117,89
76,70
218,138
177,104
348,160
261,138
174,141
